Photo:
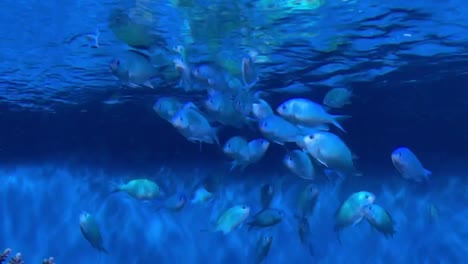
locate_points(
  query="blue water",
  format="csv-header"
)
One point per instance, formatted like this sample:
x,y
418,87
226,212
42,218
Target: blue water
x,y
70,130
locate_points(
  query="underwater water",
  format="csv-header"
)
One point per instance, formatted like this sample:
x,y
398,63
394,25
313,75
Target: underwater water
x,y
72,130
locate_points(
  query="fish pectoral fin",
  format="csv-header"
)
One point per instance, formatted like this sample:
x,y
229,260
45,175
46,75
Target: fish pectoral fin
x,y
133,85
357,221
234,164
358,174
322,162
427,173
148,84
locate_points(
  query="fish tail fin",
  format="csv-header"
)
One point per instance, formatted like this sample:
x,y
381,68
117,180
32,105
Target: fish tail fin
x,y
215,135
338,236
208,230
103,250
148,84
234,165
357,173
158,206
243,166
338,118
115,188
428,174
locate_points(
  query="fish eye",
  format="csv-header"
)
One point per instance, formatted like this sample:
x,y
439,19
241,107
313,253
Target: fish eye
x,y
284,107
243,207
311,137
290,158
229,145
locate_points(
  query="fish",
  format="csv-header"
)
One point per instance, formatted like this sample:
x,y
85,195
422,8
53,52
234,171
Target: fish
x,y
230,219
91,231
330,151
179,49
303,230
267,193
433,213
135,34
237,148
279,130
206,188
257,148
294,88
167,107
249,72
212,74
300,164
244,101
186,82
201,195
261,109
175,203
92,39
351,211
221,106
194,126
380,219
338,97
302,111
263,248
141,189
409,166
265,218
135,69
307,200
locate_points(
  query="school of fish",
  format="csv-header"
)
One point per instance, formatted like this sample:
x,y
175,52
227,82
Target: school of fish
x,y
310,134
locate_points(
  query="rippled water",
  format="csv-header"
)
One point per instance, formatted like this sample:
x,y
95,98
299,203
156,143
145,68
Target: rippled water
x,y
337,43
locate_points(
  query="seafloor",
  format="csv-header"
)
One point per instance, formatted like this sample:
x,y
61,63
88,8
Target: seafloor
x,y
40,205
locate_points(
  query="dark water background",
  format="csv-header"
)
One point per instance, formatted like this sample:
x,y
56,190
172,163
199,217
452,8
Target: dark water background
x,y
428,116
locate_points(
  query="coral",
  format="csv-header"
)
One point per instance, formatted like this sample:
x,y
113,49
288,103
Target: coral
x,y
5,255
17,259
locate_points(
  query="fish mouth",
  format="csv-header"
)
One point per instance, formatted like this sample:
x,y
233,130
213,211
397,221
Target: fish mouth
x,y
288,163
396,160
83,216
179,65
175,122
114,65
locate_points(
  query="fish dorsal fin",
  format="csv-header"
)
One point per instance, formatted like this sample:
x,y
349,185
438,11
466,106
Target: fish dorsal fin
x,y
140,53
190,105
